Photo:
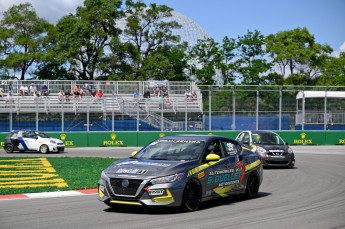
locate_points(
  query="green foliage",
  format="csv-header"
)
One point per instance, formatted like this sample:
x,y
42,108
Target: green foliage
x,y
22,36
251,63
83,37
53,70
296,52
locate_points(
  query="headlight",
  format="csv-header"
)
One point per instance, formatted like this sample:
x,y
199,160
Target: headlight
x,y
52,141
103,176
167,179
290,150
260,151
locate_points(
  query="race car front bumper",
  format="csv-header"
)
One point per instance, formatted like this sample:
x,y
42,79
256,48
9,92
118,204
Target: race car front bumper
x,y
155,195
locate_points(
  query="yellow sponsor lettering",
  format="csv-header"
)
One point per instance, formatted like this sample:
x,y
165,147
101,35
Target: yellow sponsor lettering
x,y
110,143
303,141
341,141
69,143
2,144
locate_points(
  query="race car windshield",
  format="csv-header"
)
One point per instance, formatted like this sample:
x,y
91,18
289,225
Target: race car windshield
x,y
267,139
179,150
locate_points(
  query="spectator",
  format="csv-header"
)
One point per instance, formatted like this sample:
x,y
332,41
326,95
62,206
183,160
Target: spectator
x,y
1,92
136,93
156,90
9,97
147,94
194,96
76,92
23,90
86,89
167,102
61,95
98,96
187,94
67,96
44,90
32,89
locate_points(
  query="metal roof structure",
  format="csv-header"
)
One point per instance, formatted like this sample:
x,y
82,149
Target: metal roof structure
x,y
320,94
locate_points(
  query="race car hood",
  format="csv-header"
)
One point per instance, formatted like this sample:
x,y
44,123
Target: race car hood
x,y
148,168
283,148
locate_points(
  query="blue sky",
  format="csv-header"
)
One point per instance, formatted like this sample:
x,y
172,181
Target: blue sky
x,y
219,18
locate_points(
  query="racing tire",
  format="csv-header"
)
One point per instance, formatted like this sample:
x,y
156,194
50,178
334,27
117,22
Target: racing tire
x,y
252,188
291,164
44,149
191,198
9,148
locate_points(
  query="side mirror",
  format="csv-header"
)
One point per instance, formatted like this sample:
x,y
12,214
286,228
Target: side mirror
x,y
212,157
134,153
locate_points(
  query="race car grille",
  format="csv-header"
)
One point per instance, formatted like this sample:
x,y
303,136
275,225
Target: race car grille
x,y
277,153
129,190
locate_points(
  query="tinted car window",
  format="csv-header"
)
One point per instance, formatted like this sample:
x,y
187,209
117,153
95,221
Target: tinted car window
x,y
231,148
267,138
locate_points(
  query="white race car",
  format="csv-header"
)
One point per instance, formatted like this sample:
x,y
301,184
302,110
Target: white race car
x,y
30,140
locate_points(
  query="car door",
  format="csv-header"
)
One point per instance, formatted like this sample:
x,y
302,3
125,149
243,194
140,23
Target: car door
x,y
223,176
30,140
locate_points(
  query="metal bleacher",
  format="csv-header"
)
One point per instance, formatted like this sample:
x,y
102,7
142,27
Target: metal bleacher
x,y
122,102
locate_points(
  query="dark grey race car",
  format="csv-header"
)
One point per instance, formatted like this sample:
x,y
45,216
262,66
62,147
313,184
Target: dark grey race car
x,y
182,170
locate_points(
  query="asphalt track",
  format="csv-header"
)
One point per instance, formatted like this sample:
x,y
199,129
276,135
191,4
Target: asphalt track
x,y
312,195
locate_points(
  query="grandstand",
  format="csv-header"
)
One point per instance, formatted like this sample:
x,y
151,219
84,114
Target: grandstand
x,y
118,101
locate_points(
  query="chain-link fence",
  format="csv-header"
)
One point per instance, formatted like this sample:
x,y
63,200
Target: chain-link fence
x,y
170,107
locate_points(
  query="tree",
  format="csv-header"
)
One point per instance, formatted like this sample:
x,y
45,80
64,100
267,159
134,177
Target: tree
x,y
333,71
296,52
22,35
148,30
205,60
228,64
52,70
83,37
251,63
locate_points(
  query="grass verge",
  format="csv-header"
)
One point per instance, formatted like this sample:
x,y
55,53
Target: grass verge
x,y
24,175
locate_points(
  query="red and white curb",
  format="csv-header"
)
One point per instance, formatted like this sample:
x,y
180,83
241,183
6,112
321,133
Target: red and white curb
x,y
49,194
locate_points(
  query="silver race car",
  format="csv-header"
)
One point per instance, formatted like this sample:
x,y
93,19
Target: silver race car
x,y
182,170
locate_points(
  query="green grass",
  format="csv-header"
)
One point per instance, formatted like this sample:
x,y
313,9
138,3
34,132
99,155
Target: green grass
x,y
78,173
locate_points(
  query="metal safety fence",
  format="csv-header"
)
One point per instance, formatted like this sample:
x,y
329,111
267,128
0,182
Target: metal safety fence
x,y
170,107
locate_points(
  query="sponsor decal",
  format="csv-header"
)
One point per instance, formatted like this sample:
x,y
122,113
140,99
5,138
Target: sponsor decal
x,y
303,140
155,192
161,135
201,175
131,171
113,141
2,144
63,138
341,141
144,163
224,177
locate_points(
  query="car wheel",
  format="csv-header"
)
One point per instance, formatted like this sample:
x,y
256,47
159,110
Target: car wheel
x,y
253,184
191,195
292,164
9,148
44,149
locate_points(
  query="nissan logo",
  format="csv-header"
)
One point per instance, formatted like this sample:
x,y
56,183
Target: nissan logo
x,y
125,183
